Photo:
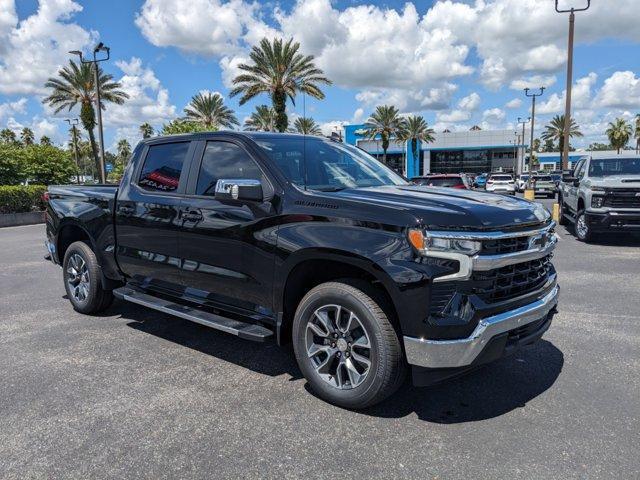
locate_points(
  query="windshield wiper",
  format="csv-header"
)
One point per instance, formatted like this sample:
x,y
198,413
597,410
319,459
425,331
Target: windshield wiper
x,y
330,189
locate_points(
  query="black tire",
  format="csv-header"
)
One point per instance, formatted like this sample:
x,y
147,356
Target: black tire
x,y
562,220
93,297
387,365
582,234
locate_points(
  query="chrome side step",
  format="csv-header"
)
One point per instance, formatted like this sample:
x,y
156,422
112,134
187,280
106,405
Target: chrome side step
x,y
247,331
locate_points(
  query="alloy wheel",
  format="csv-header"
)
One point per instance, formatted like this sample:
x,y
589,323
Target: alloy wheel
x,y
78,277
581,226
338,346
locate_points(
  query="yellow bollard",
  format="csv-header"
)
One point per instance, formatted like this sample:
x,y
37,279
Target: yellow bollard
x,y
556,212
530,194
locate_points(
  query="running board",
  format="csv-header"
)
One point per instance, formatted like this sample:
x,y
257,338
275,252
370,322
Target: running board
x,y
247,331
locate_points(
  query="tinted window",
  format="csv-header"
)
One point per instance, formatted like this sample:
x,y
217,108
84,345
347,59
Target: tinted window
x,y
543,178
224,160
162,167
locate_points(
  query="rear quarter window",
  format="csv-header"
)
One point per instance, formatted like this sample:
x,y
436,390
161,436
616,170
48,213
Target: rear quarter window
x,y
162,167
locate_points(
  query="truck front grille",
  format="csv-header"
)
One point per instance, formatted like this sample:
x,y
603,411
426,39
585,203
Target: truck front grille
x,y
511,281
504,245
622,198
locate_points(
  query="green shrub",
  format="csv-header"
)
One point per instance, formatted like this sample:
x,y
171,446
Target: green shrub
x,y
21,198
40,164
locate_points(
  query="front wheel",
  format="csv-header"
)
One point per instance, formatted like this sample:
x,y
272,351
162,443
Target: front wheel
x,y
346,346
82,280
583,231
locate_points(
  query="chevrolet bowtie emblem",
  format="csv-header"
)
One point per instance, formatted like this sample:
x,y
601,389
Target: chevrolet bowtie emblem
x,y
539,241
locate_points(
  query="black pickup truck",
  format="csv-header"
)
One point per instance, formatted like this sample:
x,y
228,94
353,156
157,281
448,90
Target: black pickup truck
x,y
301,239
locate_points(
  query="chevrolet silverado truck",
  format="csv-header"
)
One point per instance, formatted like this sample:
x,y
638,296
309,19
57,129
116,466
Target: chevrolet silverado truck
x,y
303,240
602,195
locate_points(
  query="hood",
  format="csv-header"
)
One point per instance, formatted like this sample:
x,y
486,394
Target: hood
x,y
451,209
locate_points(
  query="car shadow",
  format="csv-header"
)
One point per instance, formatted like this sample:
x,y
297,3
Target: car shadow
x,y
265,358
487,392
625,239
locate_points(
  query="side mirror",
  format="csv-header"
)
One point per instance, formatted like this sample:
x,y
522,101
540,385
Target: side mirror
x,y
576,182
239,189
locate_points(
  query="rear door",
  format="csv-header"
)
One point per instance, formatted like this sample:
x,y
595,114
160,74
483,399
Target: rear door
x,y
147,215
227,246
572,190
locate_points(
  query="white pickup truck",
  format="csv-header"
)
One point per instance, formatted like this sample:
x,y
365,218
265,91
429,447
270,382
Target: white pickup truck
x,y
602,195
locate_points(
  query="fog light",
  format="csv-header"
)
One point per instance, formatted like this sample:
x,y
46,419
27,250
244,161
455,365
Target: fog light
x,y
596,202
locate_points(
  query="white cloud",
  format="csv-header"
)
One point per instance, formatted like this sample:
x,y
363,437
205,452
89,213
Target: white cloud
x,y
148,100
33,49
513,103
580,96
453,116
40,126
208,27
533,82
493,116
11,108
470,102
620,90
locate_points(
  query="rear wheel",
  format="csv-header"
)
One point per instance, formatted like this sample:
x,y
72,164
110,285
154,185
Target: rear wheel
x,y
82,280
346,346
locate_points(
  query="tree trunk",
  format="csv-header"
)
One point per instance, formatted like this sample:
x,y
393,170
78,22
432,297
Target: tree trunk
x,y
279,100
416,160
385,147
88,119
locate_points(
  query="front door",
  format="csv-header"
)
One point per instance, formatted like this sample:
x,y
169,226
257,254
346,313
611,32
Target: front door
x,y
147,216
227,246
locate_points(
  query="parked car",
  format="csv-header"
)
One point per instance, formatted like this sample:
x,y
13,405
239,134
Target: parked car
x,y
602,195
521,182
557,178
501,183
480,181
305,240
544,185
453,180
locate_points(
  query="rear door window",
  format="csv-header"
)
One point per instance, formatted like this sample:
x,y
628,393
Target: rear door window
x,y
162,167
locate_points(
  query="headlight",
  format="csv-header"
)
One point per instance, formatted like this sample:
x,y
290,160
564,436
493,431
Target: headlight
x,y
596,201
426,243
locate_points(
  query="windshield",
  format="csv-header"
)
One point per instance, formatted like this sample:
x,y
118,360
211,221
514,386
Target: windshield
x,y
603,167
542,178
330,166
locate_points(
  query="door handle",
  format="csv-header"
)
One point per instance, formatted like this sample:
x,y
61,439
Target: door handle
x,y
191,216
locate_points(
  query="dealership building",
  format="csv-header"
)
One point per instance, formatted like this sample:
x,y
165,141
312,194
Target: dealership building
x,y
472,151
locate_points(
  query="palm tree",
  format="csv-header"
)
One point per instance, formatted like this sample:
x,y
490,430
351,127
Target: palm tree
x,y
619,133
146,130
262,120
307,126
208,110
636,133
8,136
385,122
280,71
26,136
44,140
124,150
75,85
554,131
416,129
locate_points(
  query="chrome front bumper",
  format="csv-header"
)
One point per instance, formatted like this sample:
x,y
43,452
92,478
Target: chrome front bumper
x,y
462,352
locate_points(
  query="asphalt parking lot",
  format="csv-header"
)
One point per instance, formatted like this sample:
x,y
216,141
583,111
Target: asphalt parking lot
x,y
138,394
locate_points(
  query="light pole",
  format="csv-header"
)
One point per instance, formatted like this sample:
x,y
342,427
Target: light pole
x,y
567,104
72,123
521,164
533,117
99,48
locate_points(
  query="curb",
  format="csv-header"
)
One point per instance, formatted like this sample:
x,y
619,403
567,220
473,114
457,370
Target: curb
x,y
17,219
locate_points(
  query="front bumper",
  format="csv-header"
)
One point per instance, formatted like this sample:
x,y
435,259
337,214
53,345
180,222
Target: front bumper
x,y
460,353
613,220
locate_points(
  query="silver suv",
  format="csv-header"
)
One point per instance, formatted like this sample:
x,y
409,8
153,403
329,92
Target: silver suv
x,y
602,195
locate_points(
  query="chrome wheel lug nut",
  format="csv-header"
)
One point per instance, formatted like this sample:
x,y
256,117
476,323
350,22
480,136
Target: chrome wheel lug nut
x,y
333,345
338,354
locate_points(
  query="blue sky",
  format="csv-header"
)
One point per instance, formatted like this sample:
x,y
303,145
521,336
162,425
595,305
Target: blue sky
x,y
458,63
